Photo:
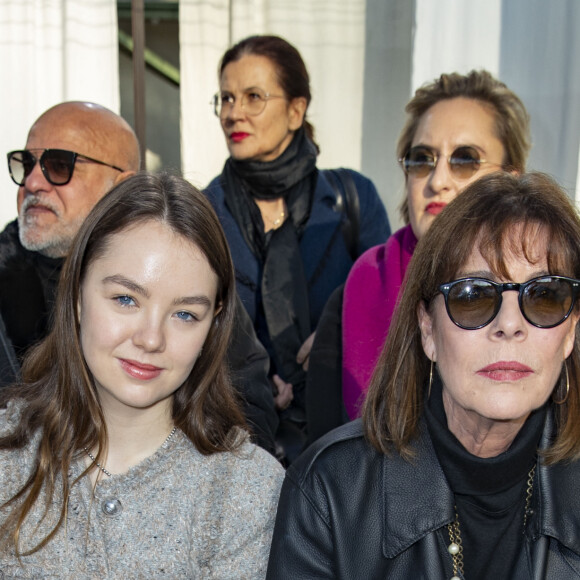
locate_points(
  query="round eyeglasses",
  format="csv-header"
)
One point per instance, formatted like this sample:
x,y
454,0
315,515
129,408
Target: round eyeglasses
x,y
253,102
420,161
545,301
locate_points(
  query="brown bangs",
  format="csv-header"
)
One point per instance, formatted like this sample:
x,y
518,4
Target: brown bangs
x,y
531,240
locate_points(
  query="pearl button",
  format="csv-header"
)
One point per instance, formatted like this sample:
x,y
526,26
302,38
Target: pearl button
x,y
453,549
111,507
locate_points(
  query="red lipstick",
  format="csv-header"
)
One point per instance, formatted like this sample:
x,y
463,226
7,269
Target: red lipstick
x,y
238,136
435,207
505,371
139,370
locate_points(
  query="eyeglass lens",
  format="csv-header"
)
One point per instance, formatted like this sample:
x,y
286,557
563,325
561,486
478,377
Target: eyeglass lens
x,y
545,302
252,102
463,162
57,165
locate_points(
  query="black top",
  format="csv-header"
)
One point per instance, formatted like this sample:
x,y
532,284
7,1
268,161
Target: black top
x,y
490,493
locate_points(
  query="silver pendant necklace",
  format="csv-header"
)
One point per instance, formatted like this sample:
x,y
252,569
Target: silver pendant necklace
x,y
455,547
108,473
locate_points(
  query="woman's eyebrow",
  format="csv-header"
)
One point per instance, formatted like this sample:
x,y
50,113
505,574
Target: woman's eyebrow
x,y
193,300
127,283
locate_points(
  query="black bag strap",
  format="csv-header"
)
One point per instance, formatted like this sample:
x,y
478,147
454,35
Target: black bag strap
x,y
348,204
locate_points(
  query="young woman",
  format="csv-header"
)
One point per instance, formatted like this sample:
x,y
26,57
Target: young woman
x,y
123,451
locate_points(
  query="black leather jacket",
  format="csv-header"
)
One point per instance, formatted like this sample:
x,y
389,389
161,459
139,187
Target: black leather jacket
x,y
349,512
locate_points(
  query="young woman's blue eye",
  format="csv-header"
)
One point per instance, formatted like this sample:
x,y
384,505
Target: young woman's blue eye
x,y
185,316
125,300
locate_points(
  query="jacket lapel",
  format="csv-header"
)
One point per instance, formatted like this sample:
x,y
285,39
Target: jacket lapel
x,y
417,499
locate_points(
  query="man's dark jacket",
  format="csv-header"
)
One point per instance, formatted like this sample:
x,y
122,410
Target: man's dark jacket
x,y
28,284
348,512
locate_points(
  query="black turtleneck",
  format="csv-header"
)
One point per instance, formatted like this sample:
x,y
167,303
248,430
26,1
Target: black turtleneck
x,y
490,493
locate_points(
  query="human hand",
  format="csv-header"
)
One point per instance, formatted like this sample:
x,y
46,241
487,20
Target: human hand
x,y
303,355
285,393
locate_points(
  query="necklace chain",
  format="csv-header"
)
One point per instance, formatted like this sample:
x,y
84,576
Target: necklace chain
x,y
108,473
455,547
279,219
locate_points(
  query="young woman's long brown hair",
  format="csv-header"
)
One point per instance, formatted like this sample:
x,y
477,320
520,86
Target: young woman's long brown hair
x,y
59,398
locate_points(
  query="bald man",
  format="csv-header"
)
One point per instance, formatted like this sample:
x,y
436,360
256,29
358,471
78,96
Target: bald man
x,y
90,149
74,154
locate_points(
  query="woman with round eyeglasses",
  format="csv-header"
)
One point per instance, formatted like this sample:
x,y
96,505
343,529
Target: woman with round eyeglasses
x,y
458,128
294,231
123,449
466,463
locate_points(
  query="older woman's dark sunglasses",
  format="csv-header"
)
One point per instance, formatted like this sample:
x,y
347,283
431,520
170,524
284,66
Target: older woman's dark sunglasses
x,y
420,161
57,164
545,301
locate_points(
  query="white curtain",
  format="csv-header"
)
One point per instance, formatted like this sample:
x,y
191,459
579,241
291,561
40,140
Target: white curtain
x,y
330,36
51,51
454,35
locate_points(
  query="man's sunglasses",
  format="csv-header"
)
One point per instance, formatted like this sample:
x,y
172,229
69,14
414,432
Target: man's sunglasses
x,y
57,164
420,161
545,301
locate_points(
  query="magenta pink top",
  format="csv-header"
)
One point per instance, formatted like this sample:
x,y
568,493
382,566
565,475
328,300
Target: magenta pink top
x,y
370,297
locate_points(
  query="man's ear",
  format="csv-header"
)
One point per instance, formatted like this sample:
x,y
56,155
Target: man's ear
x,y
122,175
426,325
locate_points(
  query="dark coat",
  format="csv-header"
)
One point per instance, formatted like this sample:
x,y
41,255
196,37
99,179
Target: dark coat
x,y
347,511
325,255
28,284
325,408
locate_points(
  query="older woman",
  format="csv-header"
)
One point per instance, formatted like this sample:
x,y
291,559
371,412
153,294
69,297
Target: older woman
x,y
123,453
458,128
292,240
466,461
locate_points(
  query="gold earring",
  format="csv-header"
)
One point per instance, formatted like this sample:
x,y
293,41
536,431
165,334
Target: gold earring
x,y
430,380
567,388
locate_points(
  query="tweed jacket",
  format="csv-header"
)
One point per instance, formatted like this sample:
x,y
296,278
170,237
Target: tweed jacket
x,y
177,514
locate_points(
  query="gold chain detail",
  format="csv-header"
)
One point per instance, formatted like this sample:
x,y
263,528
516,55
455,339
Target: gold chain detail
x,y
529,492
455,544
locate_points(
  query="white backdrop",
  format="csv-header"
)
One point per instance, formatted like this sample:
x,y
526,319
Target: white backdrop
x,y
454,35
51,51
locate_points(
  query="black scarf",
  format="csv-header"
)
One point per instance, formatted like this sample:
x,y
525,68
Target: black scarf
x,y
284,289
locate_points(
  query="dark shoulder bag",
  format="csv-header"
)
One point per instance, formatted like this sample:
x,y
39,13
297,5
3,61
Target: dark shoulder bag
x,y
347,203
